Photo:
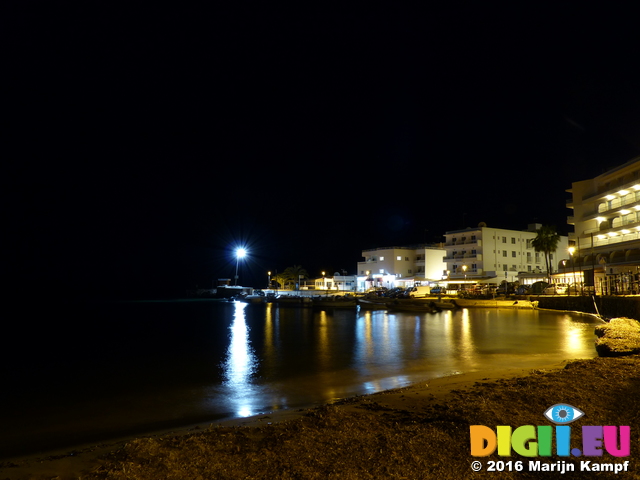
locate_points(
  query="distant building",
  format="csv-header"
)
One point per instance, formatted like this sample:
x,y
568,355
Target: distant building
x,y
337,282
606,220
408,266
491,255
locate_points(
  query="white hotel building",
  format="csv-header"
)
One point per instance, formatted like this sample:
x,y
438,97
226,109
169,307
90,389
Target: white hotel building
x,y
491,255
474,255
606,220
391,267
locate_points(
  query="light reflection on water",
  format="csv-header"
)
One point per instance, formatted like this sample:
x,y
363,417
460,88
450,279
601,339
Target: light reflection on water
x,y
240,364
304,356
148,364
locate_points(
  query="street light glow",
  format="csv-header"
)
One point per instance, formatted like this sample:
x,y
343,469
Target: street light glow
x,y
240,253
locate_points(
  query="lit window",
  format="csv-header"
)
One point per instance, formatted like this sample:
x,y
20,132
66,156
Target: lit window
x,y
398,257
381,259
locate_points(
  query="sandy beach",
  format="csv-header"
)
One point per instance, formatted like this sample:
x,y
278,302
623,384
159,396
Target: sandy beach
x,y
421,431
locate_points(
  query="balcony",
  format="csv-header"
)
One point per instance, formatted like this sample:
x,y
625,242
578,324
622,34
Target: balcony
x,y
611,238
451,258
632,186
460,242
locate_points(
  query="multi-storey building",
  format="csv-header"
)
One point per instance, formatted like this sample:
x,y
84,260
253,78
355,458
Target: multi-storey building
x,y
606,220
491,255
408,266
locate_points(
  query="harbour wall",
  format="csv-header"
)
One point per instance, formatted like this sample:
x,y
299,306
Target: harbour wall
x,y
607,307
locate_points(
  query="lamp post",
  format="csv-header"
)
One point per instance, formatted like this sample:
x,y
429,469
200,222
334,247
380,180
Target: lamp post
x,y
464,269
240,253
268,280
573,270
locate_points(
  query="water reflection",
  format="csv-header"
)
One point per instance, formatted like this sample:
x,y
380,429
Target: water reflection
x,y
240,363
296,357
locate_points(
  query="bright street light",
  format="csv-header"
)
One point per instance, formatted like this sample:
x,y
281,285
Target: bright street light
x,y
240,253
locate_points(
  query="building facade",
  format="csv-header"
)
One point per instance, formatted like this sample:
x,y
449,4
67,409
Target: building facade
x,y
606,221
491,255
390,267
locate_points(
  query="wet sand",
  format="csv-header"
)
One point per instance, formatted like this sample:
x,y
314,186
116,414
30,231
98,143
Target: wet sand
x,y
420,431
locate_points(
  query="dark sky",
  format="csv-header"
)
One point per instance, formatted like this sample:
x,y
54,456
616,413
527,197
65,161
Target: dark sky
x,y
145,144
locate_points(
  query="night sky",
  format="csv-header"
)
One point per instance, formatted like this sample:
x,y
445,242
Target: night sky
x,y
142,146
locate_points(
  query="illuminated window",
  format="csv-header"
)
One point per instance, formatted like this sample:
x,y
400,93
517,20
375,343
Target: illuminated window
x,y
381,259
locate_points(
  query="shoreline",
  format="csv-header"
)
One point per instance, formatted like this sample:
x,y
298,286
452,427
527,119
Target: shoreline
x,y
70,462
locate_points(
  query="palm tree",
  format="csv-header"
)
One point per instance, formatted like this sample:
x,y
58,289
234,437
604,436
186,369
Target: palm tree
x,y
293,274
278,280
546,241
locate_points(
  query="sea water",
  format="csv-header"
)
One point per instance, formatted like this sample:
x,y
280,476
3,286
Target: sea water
x,y
79,373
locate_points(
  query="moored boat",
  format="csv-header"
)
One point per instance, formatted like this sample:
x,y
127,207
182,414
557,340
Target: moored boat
x,y
412,306
374,303
292,301
254,299
334,302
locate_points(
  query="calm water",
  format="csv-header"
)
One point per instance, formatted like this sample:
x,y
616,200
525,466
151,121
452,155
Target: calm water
x,y
97,371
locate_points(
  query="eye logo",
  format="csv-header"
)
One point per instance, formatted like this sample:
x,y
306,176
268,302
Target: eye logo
x,y
562,413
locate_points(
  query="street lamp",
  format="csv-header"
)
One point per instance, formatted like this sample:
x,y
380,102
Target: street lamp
x,y
464,269
571,251
240,253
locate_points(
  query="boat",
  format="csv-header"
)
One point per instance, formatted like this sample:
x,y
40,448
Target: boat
x,y
254,299
334,302
446,305
412,306
292,301
374,303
